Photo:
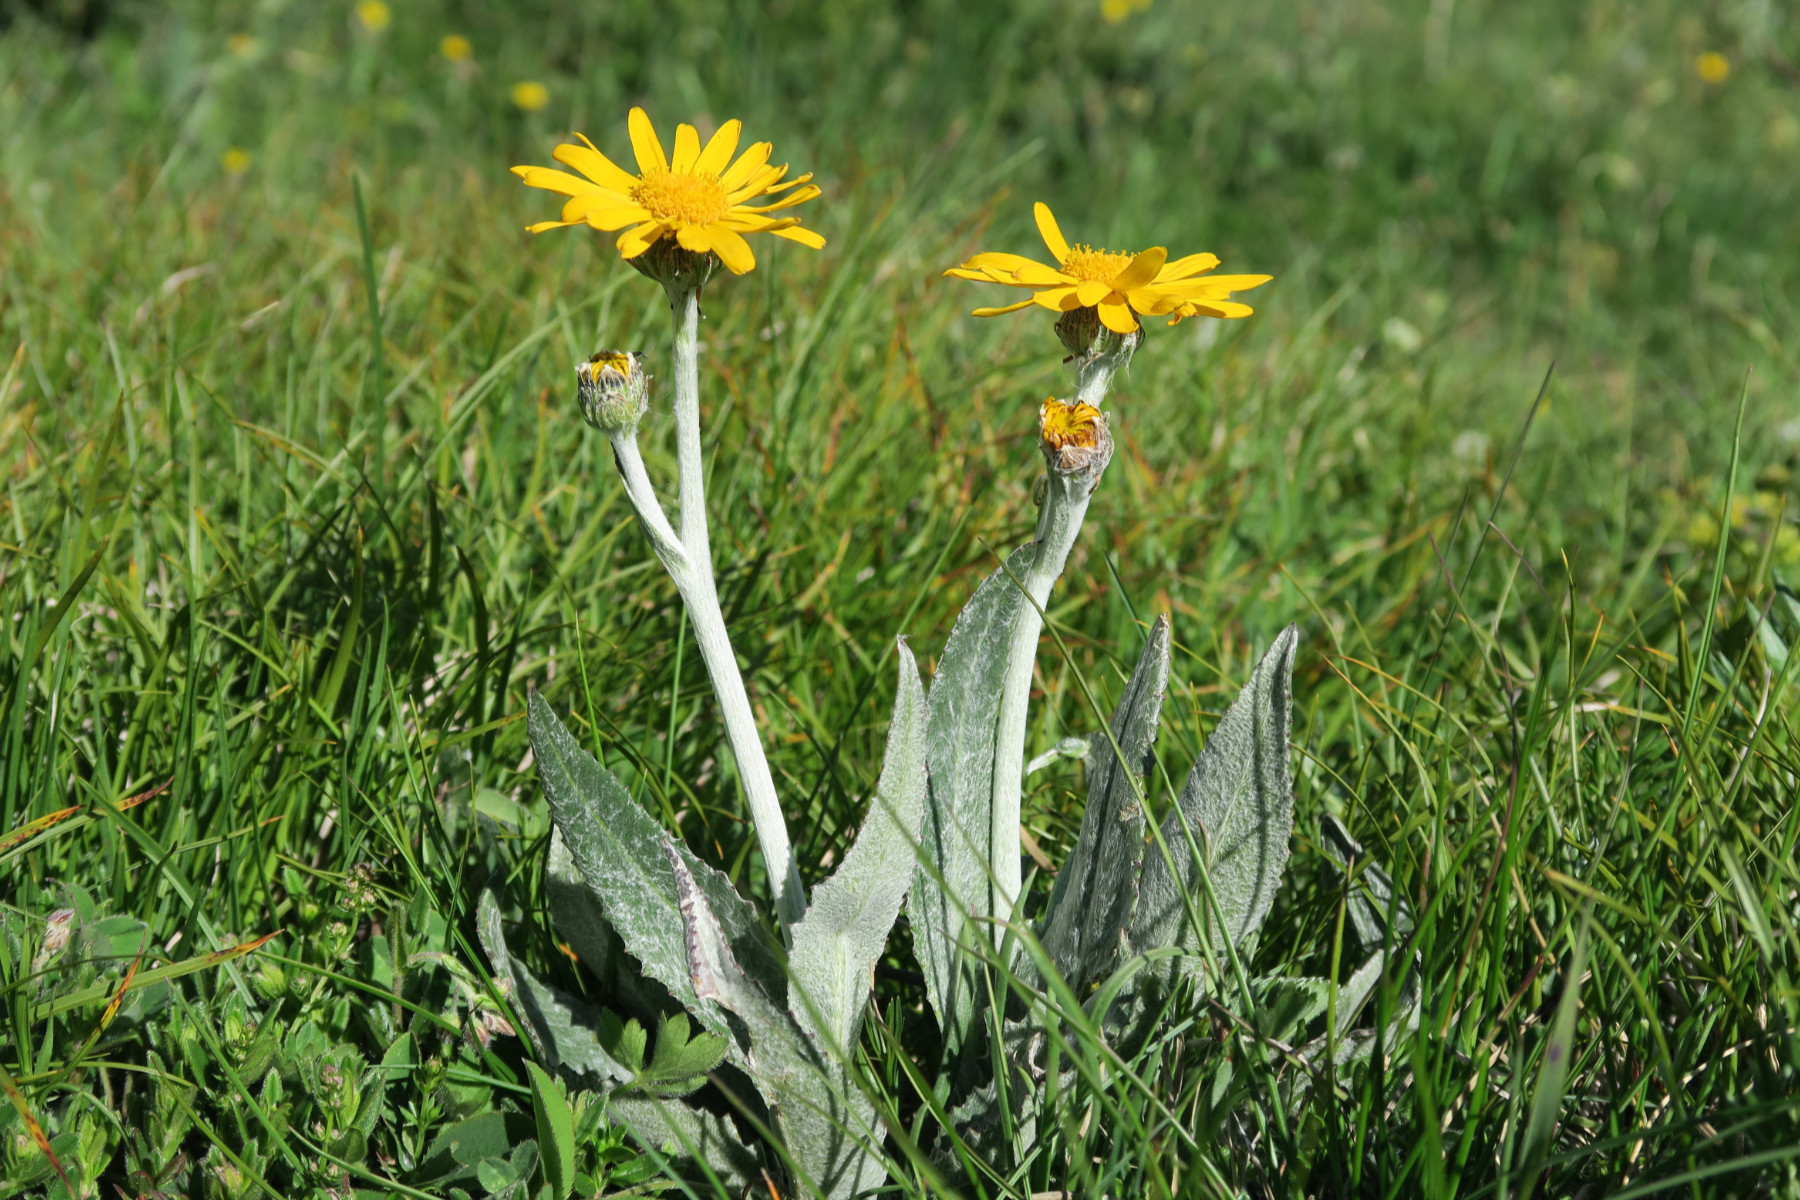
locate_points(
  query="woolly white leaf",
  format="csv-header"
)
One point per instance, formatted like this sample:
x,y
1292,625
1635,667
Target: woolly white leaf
x,y
951,884
846,928
1238,802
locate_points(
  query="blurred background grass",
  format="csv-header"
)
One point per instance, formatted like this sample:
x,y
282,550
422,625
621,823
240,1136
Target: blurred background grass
x,y
329,555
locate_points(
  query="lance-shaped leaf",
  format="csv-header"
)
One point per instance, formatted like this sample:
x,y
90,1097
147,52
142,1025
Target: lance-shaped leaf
x,y
562,1029
1097,888
1238,806
827,1126
846,928
1372,897
951,884
624,856
581,922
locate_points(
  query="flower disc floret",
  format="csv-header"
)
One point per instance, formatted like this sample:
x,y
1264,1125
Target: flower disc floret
x,y
682,199
1064,425
695,196
1120,287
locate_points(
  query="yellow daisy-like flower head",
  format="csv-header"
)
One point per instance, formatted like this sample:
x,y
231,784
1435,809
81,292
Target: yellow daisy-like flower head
x,y
1120,287
696,197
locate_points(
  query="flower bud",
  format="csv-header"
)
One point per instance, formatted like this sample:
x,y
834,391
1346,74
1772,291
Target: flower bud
x,y
614,390
678,269
1087,340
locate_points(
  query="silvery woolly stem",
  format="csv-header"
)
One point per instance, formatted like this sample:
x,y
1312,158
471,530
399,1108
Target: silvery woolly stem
x,y
701,596
614,394
1074,473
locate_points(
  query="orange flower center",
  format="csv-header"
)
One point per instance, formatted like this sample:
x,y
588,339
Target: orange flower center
x,y
1067,424
682,199
1093,266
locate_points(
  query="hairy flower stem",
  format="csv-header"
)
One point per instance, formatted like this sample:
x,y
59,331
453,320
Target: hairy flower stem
x,y
1059,523
687,556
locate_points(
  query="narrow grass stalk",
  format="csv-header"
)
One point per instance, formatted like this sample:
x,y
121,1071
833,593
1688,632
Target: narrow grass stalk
x,y
1059,524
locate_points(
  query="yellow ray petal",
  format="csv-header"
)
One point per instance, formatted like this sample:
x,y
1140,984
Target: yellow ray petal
x,y
1233,283
543,225
785,184
694,237
1181,268
796,233
1048,230
999,260
732,250
638,239
719,149
1139,271
788,201
614,217
760,182
1228,310
1152,301
596,166
552,180
1092,292
1057,300
1034,274
649,151
995,312
687,149
747,165
1118,318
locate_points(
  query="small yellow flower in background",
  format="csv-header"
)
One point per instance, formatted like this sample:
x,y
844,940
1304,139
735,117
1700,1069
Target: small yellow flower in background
x,y
374,15
456,48
1115,11
1121,286
241,45
1712,67
691,195
530,95
235,161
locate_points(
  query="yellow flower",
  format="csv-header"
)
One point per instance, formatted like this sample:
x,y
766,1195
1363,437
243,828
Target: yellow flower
x,y
456,47
374,15
235,161
1115,11
530,95
241,45
1121,287
690,195
1062,425
1712,67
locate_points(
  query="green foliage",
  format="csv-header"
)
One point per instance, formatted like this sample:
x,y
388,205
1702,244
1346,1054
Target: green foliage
x,y
680,1063
556,1131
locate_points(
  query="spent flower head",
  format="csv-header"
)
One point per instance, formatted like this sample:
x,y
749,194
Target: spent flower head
x,y
1075,438
1119,285
694,198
